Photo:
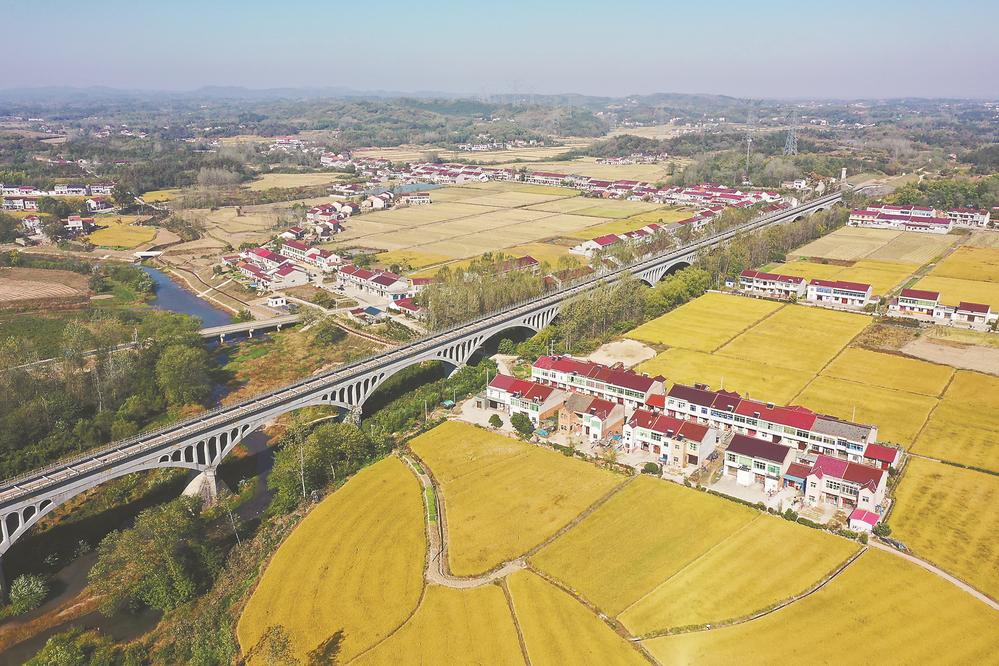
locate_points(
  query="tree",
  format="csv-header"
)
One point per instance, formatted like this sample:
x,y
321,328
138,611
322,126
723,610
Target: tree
x,y
182,373
160,562
28,591
327,332
495,421
651,468
75,648
882,530
522,424
506,346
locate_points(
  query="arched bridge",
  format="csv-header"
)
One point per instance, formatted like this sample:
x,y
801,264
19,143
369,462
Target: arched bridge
x,y
203,441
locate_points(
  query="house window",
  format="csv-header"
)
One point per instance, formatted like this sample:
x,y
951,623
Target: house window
x,y
757,465
731,458
811,484
833,485
692,446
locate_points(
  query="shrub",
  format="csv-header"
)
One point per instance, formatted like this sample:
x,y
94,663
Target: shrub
x,y
495,421
882,530
522,424
651,468
791,515
28,591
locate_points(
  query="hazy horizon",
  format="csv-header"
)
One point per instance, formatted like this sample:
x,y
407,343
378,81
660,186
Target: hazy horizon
x,y
784,50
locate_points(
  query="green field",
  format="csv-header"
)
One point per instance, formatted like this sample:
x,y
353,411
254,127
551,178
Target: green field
x,y
732,580
503,497
644,534
899,415
950,516
705,323
313,586
881,610
750,378
559,630
797,338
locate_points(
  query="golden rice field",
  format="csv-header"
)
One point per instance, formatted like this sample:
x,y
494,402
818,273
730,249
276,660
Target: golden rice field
x,y
964,427
899,415
883,276
412,258
881,610
314,586
700,324
503,497
950,517
797,337
559,630
290,180
889,371
659,216
748,377
738,577
494,157
452,626
587,166
970,263
120,231
159,196
953,290
617,208
643,535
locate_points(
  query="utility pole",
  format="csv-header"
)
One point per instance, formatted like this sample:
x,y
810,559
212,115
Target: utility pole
x,y
301,465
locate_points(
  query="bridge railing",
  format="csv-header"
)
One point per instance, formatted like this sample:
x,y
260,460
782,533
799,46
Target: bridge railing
x,y
276,396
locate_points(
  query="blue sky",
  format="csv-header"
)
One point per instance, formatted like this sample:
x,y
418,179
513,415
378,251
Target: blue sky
x,y
878,48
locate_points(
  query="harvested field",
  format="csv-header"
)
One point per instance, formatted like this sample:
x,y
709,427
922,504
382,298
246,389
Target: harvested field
x,y
797,337
588,558
697,324
880,610
914,248
964,427
587,166
953,290
748,377
560,630
22,288
950,517
983,239
418,153
899,415
502,497
735,578
955,354
452,627
618,209
889,371
313,585
627,352
847,244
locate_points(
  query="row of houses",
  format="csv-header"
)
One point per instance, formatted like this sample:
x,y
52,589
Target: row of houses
x,y
61,190
840,293
925,305
918,218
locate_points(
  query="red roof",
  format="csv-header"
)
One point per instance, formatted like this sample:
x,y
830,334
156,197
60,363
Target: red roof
x,y
298,245
881,453
848,471
796,417
973,307
668,425
758,448
657,400
798,470
760,275
841,284
609,239
921,294
863,515
614,376
527,390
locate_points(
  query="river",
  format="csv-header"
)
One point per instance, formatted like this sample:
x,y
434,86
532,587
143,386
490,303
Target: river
x,y
71,579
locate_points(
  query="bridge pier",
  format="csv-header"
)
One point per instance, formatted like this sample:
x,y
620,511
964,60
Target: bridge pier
x,y
353,416
206,486
221,338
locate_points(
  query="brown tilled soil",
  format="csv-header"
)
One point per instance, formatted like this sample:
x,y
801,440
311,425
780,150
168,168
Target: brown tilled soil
x,y
24,287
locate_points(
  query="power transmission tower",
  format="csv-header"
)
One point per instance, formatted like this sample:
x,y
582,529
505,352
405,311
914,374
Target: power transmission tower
x,y
791,145
750,122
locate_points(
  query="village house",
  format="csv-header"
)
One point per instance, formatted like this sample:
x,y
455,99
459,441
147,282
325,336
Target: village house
x,y
288,275
76,224
526,263
924,305
383,284
266,259
546,178
73,190
418,199
750,460
20,203
839,292
102,189
323,213
277,301
99,204
878,455
614,383
517,396
590,417
323,259
809,432
845,485
905,218
292,233
408,307
294,249
21,191
862,520
772,285
970,217
677,443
